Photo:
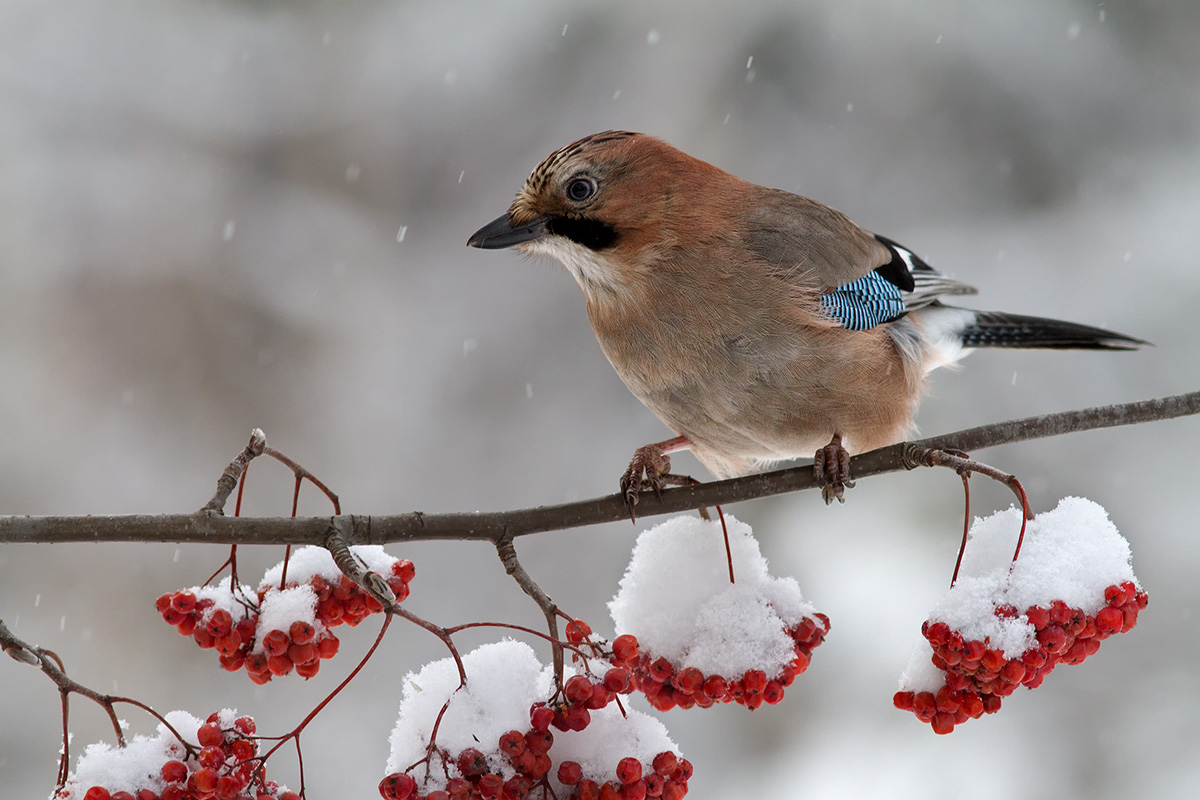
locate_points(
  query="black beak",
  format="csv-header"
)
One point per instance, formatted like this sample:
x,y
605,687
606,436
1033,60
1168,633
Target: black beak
x,y
499,234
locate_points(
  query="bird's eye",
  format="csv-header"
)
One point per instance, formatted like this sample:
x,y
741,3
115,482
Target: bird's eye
x,y
581,189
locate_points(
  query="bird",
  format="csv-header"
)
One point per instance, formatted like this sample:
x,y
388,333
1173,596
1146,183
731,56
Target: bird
x,y
759,325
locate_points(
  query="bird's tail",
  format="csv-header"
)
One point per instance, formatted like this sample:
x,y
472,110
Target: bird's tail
x,y
998,329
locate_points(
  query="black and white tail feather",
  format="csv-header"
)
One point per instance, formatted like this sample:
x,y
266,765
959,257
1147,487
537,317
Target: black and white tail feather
x,y
907,285
998,329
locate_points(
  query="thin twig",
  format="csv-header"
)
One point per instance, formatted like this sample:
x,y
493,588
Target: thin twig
x,y
51,666
439,632
512,565
508,626
374,584
352,567
303,474
229,478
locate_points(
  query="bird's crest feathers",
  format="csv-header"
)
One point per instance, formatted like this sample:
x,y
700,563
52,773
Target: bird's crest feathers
x,y
533,193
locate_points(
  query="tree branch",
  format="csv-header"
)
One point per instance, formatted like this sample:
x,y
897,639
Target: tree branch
x,y
494,527
50,664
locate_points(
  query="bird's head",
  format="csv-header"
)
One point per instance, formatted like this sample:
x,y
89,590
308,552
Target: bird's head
x,y
609,207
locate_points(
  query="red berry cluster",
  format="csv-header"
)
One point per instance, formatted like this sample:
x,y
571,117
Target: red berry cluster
x,y
301,647
667,779
978,677
344,601
667,686
226,767
528,755
581,695
211,627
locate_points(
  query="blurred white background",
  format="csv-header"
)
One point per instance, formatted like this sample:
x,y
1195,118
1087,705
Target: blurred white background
x,y
220,215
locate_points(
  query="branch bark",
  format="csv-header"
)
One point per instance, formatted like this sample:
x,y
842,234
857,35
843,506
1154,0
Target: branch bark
x,y
210,528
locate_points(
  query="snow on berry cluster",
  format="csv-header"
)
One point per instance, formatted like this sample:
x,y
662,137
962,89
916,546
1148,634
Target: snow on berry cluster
x,y
224,765
494,739
691,638
1076,587
284,626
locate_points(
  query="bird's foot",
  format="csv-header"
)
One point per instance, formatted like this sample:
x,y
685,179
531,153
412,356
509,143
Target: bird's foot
x,y
831,468
649,469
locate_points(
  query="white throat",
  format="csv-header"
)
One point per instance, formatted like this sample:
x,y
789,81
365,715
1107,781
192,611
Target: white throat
x,y
591,270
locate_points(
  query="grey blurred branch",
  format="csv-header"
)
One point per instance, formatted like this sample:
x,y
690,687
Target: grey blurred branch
x,y
208,527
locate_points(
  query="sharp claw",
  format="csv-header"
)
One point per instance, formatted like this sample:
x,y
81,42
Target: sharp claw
x,y
831,492
631,500
650,469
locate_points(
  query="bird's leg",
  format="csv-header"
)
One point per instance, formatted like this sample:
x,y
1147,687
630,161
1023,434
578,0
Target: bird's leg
x,y
650,468
831,467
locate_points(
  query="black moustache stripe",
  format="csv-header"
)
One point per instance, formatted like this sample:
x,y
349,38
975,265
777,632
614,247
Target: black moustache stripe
x,y
590,233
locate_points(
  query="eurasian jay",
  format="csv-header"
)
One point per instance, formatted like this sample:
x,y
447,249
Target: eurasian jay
x,y
757,324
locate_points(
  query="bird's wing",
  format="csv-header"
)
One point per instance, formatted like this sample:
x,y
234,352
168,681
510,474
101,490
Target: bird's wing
x,y
863,279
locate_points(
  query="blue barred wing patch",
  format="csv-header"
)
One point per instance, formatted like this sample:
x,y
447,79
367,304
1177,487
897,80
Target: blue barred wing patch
x,y
862,304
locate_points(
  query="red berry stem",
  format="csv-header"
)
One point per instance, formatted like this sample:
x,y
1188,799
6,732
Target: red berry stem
x,y
230,562
962,547
510,626
728,549
287,557
295,733
1026,514
964,466
303,474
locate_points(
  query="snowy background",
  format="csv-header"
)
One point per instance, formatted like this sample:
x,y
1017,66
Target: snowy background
x,y
217,215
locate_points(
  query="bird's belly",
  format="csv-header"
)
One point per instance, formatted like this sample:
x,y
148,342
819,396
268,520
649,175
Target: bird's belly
x,y
744,398
738,425
747,427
